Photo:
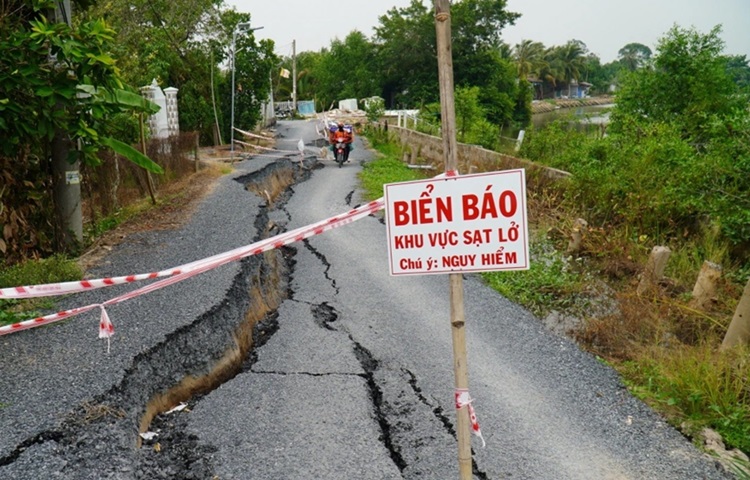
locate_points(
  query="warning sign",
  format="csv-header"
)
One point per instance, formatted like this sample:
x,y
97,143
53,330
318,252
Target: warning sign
x,y
471,223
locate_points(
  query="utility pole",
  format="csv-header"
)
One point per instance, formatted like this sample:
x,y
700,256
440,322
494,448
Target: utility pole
x,y
241,27
294,77
66,177
458,322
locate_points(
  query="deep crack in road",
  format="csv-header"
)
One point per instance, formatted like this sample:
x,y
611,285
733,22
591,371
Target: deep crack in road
x,y
309,361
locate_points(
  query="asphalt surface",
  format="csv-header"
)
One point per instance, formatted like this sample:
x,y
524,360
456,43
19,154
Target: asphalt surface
x,y
350,374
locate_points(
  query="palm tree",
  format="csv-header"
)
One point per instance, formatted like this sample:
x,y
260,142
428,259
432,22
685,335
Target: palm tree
x,y
571,61
549,70
529,58
634,55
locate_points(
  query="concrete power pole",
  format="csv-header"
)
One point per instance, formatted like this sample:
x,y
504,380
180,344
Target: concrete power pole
x,y
66,179
294,77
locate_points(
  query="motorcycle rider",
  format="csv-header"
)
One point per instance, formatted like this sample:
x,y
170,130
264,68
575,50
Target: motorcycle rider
x,y
342,130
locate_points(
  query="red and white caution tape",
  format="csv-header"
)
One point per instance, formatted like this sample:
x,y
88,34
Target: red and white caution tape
x,y
52,289
177,274
173,275
64,288
464,400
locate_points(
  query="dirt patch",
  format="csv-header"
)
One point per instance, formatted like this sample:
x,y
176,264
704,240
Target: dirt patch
x,y
175,205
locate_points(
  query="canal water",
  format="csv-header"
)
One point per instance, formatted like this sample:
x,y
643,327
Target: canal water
x,y
584,117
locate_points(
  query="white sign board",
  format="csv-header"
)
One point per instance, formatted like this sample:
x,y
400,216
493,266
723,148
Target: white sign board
x,y
72,177
471,223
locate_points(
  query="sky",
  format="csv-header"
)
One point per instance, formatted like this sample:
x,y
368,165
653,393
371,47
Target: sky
x,y
604,26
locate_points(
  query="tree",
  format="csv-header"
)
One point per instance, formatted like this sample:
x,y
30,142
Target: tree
x,y
308,83
634,56
570,61
690,94
407,56
497,82
67,92
468,110
529,58
477,25
347,69
253,64
168,41
549,70
595,74
688,85
738,68
181,44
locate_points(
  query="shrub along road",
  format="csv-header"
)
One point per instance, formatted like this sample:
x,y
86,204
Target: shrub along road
x,y
348,375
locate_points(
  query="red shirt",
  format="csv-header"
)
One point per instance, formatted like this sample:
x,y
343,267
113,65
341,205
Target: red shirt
x,y
346,136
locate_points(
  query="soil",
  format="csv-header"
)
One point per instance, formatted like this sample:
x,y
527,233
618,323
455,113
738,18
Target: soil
x,y
176,202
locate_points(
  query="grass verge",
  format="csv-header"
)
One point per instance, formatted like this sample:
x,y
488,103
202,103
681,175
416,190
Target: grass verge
x,y
57,268
665,349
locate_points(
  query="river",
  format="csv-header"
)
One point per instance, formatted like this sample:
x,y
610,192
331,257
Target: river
x,y
584,116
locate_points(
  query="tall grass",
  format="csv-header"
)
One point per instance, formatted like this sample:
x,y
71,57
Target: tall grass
x,y
635,192
698,385
54,269
387,168
550,283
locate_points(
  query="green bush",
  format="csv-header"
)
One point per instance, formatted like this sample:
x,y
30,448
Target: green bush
x,y
56,268
34,272
384,170
649,178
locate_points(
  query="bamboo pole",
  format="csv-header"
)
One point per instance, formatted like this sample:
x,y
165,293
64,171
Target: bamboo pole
x,y
458,322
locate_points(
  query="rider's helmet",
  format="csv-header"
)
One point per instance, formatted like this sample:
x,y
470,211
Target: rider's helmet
x,y
341,125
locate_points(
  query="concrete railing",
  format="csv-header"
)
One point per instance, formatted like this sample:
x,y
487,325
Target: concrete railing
x,y
420,148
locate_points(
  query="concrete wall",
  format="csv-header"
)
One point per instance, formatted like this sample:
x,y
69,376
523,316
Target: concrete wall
x,y
420,148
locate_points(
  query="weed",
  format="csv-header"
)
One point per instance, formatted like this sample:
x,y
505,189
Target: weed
x,y
386,169
696,384
741,468
549,284
54,269
707,244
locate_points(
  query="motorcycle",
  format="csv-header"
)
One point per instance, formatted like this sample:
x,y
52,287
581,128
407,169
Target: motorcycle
x,y
339,149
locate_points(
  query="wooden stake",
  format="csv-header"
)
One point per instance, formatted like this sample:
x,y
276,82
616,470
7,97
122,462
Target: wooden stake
x,y
458,322
576,236
197,151
739,330
704,291
654,272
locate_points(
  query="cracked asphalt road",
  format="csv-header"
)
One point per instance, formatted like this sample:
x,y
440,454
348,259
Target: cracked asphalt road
x,y
349,376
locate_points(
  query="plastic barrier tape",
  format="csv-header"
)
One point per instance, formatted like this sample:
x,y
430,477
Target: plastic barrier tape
x,y
173,275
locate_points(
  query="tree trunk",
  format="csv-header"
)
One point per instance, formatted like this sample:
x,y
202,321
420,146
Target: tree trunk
x,y
66,194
